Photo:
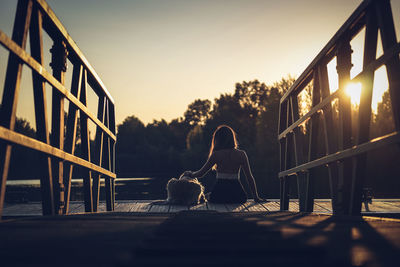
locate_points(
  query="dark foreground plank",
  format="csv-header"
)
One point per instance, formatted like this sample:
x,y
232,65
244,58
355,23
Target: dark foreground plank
x,y
200,238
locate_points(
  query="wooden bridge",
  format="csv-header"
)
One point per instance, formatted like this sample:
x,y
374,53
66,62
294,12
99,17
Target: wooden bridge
x,y
106,233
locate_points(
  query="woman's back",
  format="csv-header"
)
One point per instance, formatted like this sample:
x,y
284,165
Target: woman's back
x,y
229,160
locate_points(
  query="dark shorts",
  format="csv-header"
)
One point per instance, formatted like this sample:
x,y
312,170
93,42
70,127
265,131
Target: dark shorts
x,y
228,191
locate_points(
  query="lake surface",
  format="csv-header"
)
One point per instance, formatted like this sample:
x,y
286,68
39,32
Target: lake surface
x,y
125,189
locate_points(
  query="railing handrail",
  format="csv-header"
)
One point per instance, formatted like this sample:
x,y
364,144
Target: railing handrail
x,y
57,154
343,149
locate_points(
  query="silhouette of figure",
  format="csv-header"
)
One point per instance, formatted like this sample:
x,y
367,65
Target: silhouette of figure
x,y
227,160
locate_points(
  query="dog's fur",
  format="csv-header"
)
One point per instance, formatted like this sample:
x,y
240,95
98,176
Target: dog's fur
x,y
185,191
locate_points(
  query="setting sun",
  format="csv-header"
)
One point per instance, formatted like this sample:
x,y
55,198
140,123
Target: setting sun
x,y
354,91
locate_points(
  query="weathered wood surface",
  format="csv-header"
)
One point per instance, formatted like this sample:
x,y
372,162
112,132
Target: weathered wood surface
x,y
321,206
199,238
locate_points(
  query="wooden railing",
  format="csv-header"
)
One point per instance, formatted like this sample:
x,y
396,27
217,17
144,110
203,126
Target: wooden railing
x,y
345,152
57,152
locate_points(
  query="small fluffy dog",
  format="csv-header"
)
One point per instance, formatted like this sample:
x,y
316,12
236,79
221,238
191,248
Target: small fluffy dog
x,y
185,191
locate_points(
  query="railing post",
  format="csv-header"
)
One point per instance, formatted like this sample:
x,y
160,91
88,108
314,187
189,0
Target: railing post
x,y
109,183
85,136
98,152
364,116
302,188
345,136
59,65
388,36
313,141
41,113
285,183
71,129
329,134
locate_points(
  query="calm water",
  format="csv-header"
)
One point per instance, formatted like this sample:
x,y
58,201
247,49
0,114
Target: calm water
x,y
125,188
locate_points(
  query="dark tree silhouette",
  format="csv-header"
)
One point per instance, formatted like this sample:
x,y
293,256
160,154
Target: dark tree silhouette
x,y
197,112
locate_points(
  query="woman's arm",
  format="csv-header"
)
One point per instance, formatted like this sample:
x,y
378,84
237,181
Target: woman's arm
x,y
206,167
249,176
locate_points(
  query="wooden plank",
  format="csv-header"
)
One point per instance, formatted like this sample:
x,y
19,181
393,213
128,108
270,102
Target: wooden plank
x,y
140,206
23,209
202,206
41,118
70,139
59,52
285,182
85,140
313,144
329,132
388,37
76,207
31,143
159,208
318,207
282,148
395,204
112,127
102,206
298,154
294,206
253,206
344,127
123,206
272,206
236,207
109,186
217,207
98,151
177,208
325,205
35,66
382,206
392,138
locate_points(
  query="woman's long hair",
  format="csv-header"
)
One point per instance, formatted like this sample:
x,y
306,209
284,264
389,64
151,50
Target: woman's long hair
x,y
224,137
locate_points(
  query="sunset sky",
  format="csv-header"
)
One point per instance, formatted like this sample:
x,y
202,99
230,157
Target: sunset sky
x,y
156,57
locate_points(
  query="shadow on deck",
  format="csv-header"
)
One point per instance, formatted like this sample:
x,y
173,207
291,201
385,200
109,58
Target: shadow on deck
x,y
200,238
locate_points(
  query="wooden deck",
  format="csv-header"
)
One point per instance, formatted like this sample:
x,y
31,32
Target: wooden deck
x,y
145,206
199,238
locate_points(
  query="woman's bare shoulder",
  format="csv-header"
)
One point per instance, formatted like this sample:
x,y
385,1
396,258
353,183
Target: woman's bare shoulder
x,y
241,153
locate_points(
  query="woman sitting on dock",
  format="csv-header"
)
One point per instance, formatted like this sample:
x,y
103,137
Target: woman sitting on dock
x,y
227,159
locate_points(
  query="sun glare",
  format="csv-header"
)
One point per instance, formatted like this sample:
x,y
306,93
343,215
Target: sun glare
x,y
354,91
381,85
